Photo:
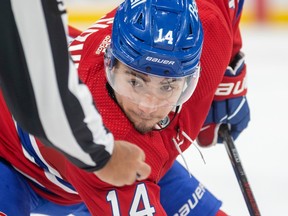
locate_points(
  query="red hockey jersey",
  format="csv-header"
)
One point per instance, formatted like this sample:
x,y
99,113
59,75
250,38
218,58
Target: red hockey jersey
x,y
222,41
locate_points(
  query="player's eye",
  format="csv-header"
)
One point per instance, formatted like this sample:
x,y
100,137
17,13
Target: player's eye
x,y
135,83
167,88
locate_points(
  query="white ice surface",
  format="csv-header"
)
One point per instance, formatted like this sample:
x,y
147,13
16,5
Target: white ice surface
x,y
263,147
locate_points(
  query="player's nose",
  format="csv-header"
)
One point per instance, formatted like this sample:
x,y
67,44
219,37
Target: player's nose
x,y
148,103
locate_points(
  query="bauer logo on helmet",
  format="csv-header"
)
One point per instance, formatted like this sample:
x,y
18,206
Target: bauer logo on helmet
x,y
160,61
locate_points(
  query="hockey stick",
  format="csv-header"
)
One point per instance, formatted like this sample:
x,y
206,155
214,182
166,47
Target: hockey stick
x,y
239,171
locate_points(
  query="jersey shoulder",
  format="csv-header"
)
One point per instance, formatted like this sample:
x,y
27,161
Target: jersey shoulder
x,y
228,11
89,47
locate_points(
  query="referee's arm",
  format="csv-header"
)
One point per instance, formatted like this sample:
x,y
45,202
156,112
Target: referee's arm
x,y
41,85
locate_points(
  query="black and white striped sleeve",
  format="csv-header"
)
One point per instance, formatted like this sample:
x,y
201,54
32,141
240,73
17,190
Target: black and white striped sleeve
x,y
41,85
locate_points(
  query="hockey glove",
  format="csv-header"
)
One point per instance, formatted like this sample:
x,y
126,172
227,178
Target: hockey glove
x,y
229,106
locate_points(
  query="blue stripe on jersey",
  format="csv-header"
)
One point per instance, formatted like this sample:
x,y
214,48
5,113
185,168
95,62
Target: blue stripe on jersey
x,y
240,8
65,183
27,145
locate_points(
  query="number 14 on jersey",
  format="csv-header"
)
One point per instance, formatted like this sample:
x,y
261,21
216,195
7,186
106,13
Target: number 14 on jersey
x,y
140,204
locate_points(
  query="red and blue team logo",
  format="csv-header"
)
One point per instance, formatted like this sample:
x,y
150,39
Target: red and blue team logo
x,y
2,214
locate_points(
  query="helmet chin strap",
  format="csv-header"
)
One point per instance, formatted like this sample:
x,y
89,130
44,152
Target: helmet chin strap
x,y
166,120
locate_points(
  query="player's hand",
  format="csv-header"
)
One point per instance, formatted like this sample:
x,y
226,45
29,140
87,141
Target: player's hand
x,y
230,105
237,117
126,165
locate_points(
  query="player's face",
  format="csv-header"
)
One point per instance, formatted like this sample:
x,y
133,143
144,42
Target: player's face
x,y
145,99
143,118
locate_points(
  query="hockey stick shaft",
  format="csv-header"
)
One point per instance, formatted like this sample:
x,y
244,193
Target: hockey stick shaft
x,y
239,171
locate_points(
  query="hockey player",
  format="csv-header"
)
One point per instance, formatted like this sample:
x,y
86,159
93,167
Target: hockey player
x,y
152,67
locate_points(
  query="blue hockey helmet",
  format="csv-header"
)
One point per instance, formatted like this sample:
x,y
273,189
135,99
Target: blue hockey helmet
x,y
160,38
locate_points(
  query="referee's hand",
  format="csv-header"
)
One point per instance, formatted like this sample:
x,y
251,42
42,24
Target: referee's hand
x,y
126,165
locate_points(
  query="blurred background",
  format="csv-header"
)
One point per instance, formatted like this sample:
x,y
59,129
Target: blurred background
x,y
84,12
263,146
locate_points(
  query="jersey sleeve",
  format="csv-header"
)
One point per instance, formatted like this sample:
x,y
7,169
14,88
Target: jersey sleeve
x,y
41,85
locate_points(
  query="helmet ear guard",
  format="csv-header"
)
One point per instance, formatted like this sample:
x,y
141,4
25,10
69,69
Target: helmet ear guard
x,y
109,59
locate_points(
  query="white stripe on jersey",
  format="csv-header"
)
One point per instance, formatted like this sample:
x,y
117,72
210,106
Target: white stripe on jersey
x,y
60,135
50,177
54,180
29,177
36,149
51,173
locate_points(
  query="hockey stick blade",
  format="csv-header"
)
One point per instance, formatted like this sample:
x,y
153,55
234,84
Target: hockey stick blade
x,y
239,171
